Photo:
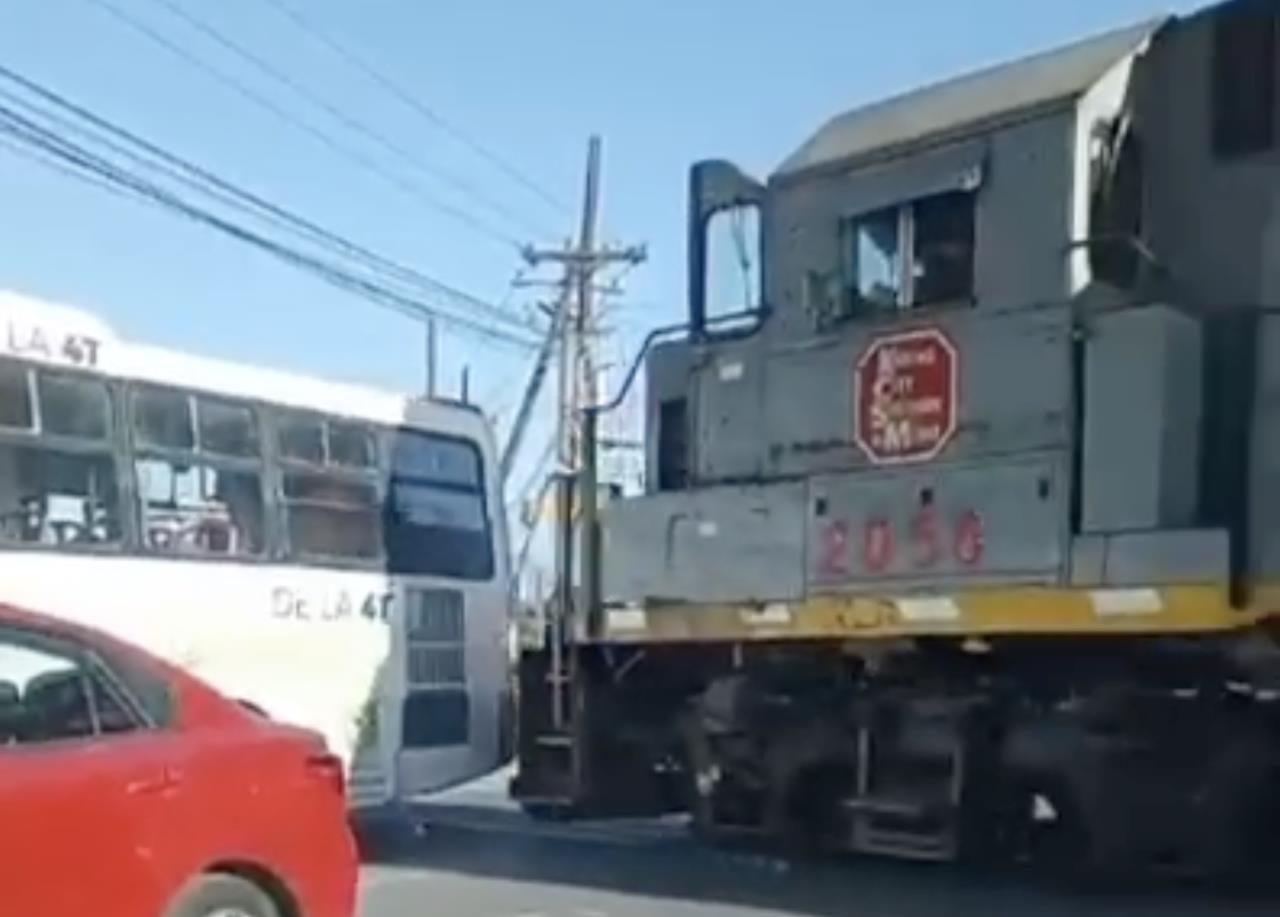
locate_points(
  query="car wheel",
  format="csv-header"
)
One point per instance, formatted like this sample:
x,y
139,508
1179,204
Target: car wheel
x,y
222,896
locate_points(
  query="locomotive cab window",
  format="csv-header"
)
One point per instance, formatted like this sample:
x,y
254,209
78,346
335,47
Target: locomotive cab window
x,y
874,265
915,254
733,270
942,248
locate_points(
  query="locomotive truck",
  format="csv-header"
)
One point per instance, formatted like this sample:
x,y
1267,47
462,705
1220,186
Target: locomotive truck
x,y
961,531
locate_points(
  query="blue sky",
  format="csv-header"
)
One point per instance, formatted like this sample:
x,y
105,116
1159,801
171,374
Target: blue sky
x,y
663,82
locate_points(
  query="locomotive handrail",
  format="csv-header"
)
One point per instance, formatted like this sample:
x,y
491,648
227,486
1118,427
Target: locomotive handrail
x,y
650,339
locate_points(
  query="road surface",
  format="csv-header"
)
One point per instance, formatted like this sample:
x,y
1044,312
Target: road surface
x,y
482,858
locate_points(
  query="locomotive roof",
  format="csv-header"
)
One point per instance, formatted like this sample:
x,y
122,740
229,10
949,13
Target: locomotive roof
x,y
980,97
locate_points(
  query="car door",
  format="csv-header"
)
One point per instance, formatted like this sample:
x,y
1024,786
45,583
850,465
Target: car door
x,y
85,780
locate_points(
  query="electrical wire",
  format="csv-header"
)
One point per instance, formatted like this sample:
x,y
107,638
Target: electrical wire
x,y
224,41
320,136
415,104
86,164
32,155
84,122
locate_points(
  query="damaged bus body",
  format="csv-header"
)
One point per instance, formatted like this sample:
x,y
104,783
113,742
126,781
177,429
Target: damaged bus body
x,y
964,541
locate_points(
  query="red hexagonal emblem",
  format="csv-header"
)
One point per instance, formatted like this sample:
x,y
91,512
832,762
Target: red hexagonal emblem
x,y
905,392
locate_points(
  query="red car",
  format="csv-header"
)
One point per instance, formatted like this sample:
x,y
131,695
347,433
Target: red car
x,y
129,788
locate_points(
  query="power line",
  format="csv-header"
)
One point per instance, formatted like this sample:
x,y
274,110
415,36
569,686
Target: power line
x,y
15,148
85,164
18,127
224,41
322,137
210,184
417,105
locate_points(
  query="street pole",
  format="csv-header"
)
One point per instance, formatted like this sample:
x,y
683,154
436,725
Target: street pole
x,y
529,398
432,356
580,263
577,389
586,274
566,395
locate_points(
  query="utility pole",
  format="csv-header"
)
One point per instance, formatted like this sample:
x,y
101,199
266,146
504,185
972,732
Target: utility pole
x,y
531,390
580,264
433,353
575,323
585,319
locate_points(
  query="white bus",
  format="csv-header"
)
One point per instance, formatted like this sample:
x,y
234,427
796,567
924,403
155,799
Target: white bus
x,y
333,555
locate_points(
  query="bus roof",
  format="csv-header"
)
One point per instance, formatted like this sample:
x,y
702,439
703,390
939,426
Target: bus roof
x,y
65,336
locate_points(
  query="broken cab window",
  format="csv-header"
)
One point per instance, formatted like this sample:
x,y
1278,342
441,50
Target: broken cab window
x,y
873,261
74,406
732,262
162,417
15,397
942,250
52,497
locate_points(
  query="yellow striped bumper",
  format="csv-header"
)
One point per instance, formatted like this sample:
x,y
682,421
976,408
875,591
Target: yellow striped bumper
x,y
1009,611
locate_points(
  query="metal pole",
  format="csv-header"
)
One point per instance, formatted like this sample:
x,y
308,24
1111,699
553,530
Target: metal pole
x,y
529,399
432,356
589,544
588,560
563,594
564,381
586,267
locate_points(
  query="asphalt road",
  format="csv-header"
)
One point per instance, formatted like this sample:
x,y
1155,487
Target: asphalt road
x,y
481,858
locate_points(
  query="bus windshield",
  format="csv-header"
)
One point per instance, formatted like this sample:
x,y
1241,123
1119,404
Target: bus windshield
x,y
436,522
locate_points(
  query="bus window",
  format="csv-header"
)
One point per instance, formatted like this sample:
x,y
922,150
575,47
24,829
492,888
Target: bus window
x,y
227,428
55,497
194,508
200,494
15,397
351,445
436,523
162,417
331,516
73,406
425,506
300,437
444,461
